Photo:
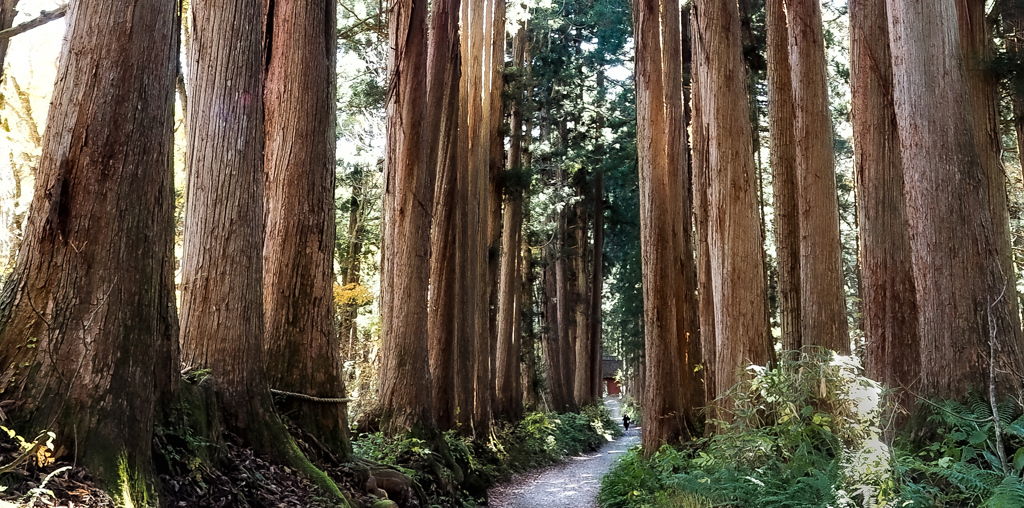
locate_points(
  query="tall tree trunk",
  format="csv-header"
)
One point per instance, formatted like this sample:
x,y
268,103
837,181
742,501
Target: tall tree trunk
x,y
566,348
960,290
677,145
496,158
552,342
298,250
405,386
983,87
890,307
822,298
509,398
443,97
467,237
88,321
582,393
597,289
701,211
782,143
733,225
666,418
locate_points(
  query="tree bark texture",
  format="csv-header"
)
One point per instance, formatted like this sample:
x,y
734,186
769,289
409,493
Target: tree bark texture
x,y
563,298
983,87
701,211
496,164
737,278
666,418
443,71
597,290
582,393
890,307
822,298
955,257
298,251
552,343
88,319
782,143
467,237
405,385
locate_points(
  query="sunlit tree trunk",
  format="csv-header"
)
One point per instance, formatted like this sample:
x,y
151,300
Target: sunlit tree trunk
x,y
661,164
405,387
961,293
782,119
822,299
298,250
737,278
88,326
496,164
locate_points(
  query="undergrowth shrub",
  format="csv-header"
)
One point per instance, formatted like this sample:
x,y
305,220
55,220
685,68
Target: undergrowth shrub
x,y
803,434
807,435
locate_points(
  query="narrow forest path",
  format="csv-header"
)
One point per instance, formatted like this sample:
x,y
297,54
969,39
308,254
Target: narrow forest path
x,y
573,483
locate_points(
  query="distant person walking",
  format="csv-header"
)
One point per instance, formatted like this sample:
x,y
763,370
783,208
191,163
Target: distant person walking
x,y
625,421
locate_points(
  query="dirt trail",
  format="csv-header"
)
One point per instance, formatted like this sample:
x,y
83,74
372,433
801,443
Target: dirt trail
x,y
573,483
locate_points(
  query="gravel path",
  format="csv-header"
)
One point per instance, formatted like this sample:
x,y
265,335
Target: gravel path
x,y
573,483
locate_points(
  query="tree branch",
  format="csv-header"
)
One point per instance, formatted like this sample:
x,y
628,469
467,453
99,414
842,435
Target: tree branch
x,y
44,18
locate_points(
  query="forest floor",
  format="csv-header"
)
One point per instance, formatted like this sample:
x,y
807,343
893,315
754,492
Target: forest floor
x,y
573,483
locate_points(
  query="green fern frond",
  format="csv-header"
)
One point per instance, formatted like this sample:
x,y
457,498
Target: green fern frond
x,y
1009,494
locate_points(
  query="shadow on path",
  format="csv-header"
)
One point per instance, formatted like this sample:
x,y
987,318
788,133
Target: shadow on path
x,y
572,483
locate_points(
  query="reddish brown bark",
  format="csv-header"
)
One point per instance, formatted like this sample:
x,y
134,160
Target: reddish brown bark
x,y
405,386
737,275
298,249
89,327
443,71
960,290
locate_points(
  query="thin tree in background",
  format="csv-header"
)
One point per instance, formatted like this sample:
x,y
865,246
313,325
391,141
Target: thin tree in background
x,y
822,300
892,354
737,273
89,325
298,249
509,403
405,386
782,147
961,293
666,419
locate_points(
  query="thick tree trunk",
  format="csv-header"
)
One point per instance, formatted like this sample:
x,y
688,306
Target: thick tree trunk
x,y
443,98
298,250
983,87
405,386
960,290
889,300
89,326
566,348
733,225
822,298
782,142
666,418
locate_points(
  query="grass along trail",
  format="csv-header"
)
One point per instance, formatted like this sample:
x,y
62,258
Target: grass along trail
x,y
573,483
